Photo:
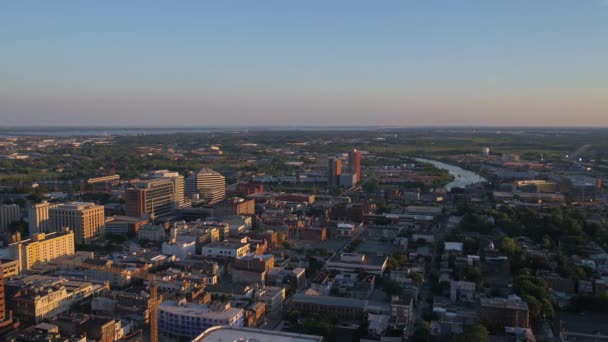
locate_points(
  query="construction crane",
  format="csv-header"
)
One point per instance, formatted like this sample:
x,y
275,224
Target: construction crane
x,y
154,301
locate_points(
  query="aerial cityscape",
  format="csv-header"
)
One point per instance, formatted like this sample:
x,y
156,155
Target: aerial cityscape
x,y
304,171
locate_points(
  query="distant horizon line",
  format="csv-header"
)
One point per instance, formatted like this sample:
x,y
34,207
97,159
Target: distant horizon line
x,y
292,127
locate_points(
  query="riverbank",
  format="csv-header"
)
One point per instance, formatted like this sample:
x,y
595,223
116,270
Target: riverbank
x,y
462,177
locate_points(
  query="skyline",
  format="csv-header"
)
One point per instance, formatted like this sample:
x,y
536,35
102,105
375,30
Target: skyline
x,y
344,63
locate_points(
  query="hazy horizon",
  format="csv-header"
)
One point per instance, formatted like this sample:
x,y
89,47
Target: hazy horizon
x,y
396,64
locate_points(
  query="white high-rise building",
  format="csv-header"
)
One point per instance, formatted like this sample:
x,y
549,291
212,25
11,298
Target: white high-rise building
x,y
208,184
38,217
178,184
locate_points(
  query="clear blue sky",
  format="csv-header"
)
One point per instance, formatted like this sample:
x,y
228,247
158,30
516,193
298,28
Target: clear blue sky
x,y
314,63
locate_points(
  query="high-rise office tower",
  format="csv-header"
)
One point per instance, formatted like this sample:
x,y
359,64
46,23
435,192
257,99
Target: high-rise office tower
x,y
334,172
354,163
178,184
38,217
86,219
208,184
9,213
151,198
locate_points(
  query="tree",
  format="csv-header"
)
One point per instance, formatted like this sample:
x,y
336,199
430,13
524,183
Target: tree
x,y
417,277
392,288
546,243
477,333
508,246
422,333
473,274
371,186
293,317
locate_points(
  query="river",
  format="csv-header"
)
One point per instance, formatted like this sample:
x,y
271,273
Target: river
x,y
462,177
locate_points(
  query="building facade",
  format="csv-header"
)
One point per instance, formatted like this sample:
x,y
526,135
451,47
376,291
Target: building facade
x,y
151,198
42,248
354,163
334,171
503,312
35,298
9,213
85,219
188,320
234,206
124,225
225,249
178,184
208,184
38,217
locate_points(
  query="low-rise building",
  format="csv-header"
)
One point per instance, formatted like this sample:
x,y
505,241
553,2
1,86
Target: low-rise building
x,y
10,268
462,290
402,312
124,225
181,248
101,270
187,320
343,308
151,232
35,298
221,334
503,312
234,206
225,249
273,297
295,278
352,262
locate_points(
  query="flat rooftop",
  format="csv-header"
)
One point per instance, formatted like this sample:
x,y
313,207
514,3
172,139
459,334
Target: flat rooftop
x,y
197,310
223,334
369,259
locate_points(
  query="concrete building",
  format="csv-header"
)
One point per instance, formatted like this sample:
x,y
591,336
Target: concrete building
x,y
343,308
98,273
151,232
252,268
334,171
152,198
9,213
178,184
222,334
354,164
38,217
352,262
234,206
536,185
462,291
35,298
85,219
181,248
225,249
10,268
42,248
503,312
348,180
124,224
273,297
402,312
187,320
208,184
6,318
